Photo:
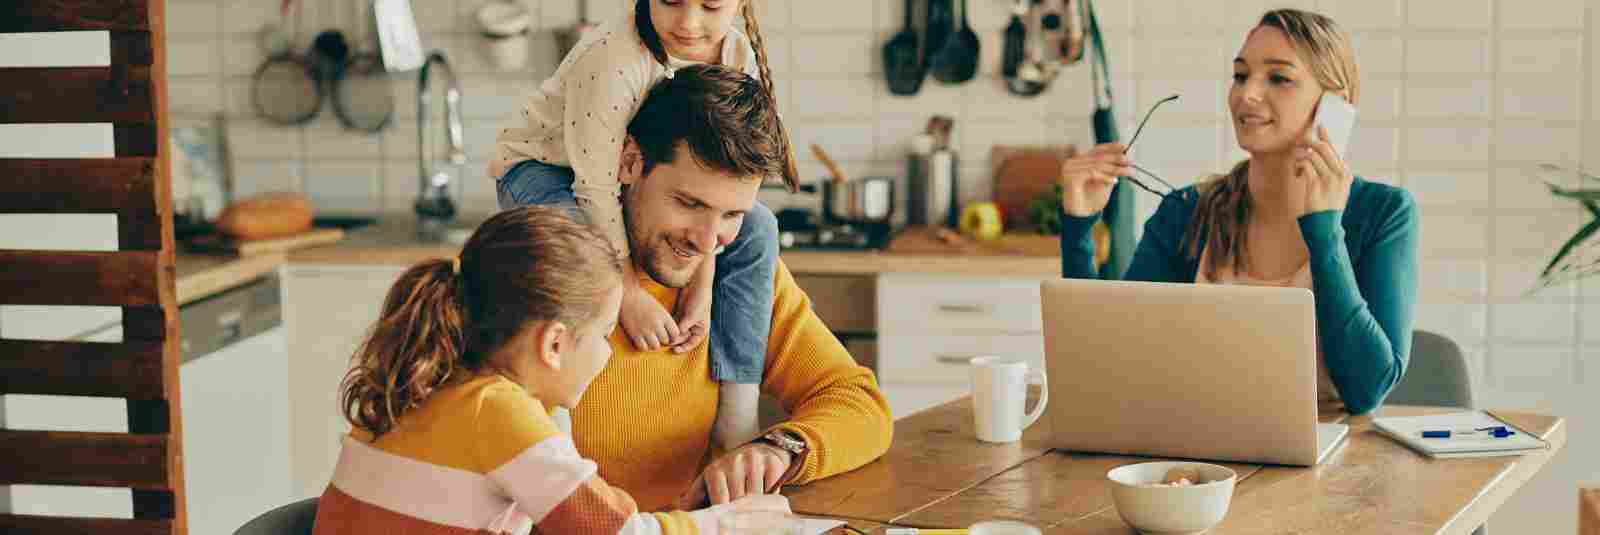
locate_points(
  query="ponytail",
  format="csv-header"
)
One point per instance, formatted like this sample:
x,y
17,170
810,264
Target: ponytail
x,y
1222,217
416,346
791,175
444,318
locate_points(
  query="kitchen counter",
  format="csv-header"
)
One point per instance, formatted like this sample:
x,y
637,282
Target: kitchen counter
x,y
393,242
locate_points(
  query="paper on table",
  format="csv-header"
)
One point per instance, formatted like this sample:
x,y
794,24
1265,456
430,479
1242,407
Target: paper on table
x,y
818,526
1409,431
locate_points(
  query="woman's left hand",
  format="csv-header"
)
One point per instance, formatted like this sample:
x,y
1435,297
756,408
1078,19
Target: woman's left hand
x,y
1327,178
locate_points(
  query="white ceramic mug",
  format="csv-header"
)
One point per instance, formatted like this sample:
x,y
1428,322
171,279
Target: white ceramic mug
x,y
999,391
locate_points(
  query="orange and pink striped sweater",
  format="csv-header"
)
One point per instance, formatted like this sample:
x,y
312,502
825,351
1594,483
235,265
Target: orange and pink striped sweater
x,y
481,456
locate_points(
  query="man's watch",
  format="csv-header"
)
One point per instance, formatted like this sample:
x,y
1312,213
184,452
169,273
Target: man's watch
x,y
785,441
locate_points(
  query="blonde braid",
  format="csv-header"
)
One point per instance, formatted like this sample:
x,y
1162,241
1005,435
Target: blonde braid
x,y
752,28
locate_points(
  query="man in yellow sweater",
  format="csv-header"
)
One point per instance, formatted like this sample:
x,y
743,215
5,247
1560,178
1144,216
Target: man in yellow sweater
x,y
692,163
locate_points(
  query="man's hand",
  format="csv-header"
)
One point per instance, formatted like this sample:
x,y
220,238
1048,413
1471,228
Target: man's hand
x,y
747,471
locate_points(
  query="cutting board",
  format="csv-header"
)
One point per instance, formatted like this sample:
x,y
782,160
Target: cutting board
x,y
923,240
1022,173
311,238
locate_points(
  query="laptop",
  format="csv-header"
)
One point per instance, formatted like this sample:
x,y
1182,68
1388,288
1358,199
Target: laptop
x,y
1195,371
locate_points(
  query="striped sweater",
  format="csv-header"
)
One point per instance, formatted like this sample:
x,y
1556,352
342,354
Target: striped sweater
x,y
481,456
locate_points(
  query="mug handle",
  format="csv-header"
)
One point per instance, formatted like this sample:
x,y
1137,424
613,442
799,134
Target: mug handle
x,y
1044,397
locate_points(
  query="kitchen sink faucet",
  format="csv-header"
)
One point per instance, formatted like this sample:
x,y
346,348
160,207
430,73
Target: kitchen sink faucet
x,y
436,204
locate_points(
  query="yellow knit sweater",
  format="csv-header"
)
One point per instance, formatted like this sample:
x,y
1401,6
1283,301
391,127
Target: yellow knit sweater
x,y
646,420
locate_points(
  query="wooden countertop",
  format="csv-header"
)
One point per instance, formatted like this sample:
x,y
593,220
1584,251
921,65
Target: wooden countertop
x,y
936,475
393,241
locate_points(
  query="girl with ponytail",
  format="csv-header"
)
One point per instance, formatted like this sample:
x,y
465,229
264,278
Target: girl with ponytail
x,y
1293,214
565,149
450,393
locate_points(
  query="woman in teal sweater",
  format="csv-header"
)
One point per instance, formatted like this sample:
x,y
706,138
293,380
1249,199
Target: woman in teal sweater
x,y
1291,215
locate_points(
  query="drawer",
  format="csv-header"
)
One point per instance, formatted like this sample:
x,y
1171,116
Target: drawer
x,y
914,304
943,359
846,304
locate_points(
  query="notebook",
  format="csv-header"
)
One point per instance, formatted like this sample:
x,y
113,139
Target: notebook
x,y
1409,430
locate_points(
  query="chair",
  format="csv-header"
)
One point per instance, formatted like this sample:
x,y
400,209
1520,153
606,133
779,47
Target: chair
x,y
293,519
1437,376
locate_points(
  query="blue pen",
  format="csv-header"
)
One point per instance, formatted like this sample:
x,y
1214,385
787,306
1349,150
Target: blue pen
x,y
1498,431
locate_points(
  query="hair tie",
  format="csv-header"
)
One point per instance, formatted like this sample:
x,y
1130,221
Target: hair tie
x,y
455,265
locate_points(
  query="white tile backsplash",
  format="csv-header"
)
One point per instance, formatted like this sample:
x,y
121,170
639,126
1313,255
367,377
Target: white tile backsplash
x,y
1450,14
190,97
1454,189
1541,97
1380,99
843,141
1376,147
326,138
1550,55
192,56
1521,188
1534,142
1465,322
1447,55
1530,367
1442,98
1179,14
1365,15
1548,15
1379,53
1466,145
1193,55
187,17
854,54
1453,235
251,177
337,186
842,98
831,15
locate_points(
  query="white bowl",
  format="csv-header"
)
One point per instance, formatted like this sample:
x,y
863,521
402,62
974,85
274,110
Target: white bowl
x,y
1163,510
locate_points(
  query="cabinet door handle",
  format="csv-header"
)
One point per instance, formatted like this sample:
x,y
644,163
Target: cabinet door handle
x,y
959,360
961,309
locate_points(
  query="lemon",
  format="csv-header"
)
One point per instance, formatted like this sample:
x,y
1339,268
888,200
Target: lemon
x,y
981,221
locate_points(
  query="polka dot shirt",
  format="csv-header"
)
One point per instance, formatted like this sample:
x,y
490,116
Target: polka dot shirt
x,y
579,117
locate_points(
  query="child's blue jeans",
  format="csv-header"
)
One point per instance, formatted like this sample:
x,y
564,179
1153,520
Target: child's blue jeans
x,y
741,295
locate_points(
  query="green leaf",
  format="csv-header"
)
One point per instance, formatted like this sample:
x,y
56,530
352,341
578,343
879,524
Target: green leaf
x,y
1583,233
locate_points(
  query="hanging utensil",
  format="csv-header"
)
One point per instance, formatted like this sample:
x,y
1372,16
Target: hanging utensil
x,y
1071,46
1015,48
399,43
940,25
361,93
958,61
284,89
902,65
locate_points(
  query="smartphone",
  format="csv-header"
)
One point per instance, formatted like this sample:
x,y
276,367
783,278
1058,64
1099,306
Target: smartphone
x,y
1339,117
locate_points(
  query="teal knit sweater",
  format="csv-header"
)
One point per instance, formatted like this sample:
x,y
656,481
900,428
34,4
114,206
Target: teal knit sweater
x,y
1363,272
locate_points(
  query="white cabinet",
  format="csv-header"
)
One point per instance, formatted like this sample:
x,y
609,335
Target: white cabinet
x,y
235,432
929,326
327,311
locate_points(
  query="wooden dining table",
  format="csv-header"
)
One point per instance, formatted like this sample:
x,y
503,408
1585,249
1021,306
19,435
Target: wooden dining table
x,y
938,475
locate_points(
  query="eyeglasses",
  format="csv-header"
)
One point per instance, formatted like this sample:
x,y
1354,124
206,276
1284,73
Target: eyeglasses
x,y
1171,189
